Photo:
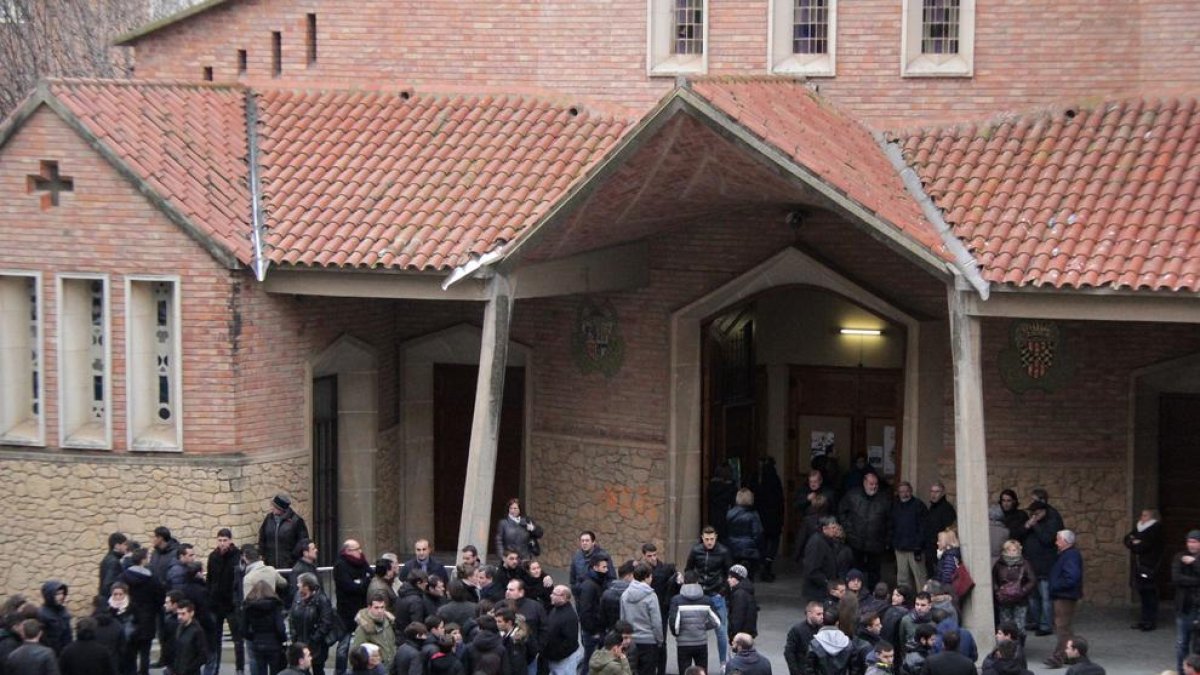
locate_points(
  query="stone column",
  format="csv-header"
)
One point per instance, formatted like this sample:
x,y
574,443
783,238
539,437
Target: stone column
x,y
485,423
970,465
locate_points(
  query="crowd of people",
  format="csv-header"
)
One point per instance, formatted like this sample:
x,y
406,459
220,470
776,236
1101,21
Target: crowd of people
x,y
421,616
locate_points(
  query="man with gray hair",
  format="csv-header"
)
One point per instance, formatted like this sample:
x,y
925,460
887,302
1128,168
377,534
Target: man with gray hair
x,y
1066,588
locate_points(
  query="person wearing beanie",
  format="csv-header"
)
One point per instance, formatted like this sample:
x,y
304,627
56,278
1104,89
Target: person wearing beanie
x,y
281,530
743,608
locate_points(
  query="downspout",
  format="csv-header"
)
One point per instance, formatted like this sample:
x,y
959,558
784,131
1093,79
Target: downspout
x,y
964,262
256,209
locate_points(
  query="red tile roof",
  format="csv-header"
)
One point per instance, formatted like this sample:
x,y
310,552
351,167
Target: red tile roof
x,y
383,179
1101,196
840,150
186,142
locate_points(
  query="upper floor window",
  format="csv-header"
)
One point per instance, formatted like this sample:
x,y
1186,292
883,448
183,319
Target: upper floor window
x,y
803,36
678,36
21,414
938,38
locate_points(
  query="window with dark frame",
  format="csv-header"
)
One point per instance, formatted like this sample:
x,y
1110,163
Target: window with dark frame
x,y
688,22
242,58
276,54
208,74
810,27
940,22
311,39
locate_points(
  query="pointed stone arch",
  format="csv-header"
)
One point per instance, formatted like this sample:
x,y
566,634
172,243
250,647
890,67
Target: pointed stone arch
x,y
458,344
788,267
356,365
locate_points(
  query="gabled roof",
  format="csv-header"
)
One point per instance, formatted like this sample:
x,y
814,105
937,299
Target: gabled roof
x,y
171,19
1106,195
826,142
389,179
182,145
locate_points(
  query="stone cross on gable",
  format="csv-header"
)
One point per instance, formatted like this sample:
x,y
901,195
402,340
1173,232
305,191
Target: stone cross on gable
x,y
49,183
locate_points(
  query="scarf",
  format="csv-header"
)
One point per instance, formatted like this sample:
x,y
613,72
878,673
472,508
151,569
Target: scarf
x,y
1142,527
1013,560
119,607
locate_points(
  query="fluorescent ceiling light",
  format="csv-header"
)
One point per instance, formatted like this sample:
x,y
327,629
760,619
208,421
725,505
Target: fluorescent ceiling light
x,y
861,331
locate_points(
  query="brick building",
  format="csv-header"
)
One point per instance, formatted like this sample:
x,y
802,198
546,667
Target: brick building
x,y
405,260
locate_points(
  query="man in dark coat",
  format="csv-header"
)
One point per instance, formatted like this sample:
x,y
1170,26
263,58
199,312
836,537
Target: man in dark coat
x,y
279,533
581,561
559,640
191,646
866,516
306,562
591,622
110,565
54,616
1039,532
164,555
664,579
941,515
746,660
351,578
87,655
820,560
312,620
423,560
908,537
146,600
1077,656
224,581
1066,588
32,657
949,661
800,636
711,560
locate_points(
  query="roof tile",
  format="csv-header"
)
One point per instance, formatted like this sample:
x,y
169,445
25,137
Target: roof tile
x,y
1112,188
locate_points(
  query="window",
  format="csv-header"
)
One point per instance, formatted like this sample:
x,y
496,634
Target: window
x,y
938,38
152,365
276,54
84,412
242,58
208,74
803,37
21,420
678,36
310,42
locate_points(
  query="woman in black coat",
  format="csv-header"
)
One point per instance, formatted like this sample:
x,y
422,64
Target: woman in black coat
x,y
1145,542
263,630
745,532
145,599
518,533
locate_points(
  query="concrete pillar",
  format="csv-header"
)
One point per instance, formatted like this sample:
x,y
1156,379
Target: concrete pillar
x,y
970,465
485,423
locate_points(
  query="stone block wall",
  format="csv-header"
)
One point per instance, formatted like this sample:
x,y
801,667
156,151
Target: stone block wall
x,y
615,488
59,509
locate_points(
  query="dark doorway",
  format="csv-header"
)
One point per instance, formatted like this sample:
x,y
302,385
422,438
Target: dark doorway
x,y
1178,475
325,464
453,406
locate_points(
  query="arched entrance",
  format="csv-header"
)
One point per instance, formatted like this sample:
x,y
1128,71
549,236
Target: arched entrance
x,y
685,434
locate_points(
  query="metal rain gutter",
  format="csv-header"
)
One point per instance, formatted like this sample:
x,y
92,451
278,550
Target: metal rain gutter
x,y
964,262
256,210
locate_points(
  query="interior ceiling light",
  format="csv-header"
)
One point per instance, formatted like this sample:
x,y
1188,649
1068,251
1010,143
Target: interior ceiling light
x,y
861,331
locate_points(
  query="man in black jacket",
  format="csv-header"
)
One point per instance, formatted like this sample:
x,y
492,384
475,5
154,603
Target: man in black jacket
x,y
711,560
224,581
312,621
54,616
591,621
559,641
1040,531
941,515
351,578
191,646
866,515
110,565
281,530
32,657
908,530
800,637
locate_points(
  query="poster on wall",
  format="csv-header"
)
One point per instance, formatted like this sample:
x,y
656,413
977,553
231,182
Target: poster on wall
x,y
875,457
821,444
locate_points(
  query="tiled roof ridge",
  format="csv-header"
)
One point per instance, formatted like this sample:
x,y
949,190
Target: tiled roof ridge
x,y
449,91
1068,108
149,84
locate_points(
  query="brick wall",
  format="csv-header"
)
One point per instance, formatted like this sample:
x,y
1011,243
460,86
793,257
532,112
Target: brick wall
x,y
1027,52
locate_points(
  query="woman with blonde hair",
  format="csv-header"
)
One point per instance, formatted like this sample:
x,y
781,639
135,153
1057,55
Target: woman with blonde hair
x,y
949,555
1013,580
745,532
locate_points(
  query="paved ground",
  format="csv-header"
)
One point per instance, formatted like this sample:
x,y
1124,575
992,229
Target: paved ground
x,y
1120,650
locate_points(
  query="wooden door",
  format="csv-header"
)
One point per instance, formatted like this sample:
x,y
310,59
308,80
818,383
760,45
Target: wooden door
x,y
1178,475
453,407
